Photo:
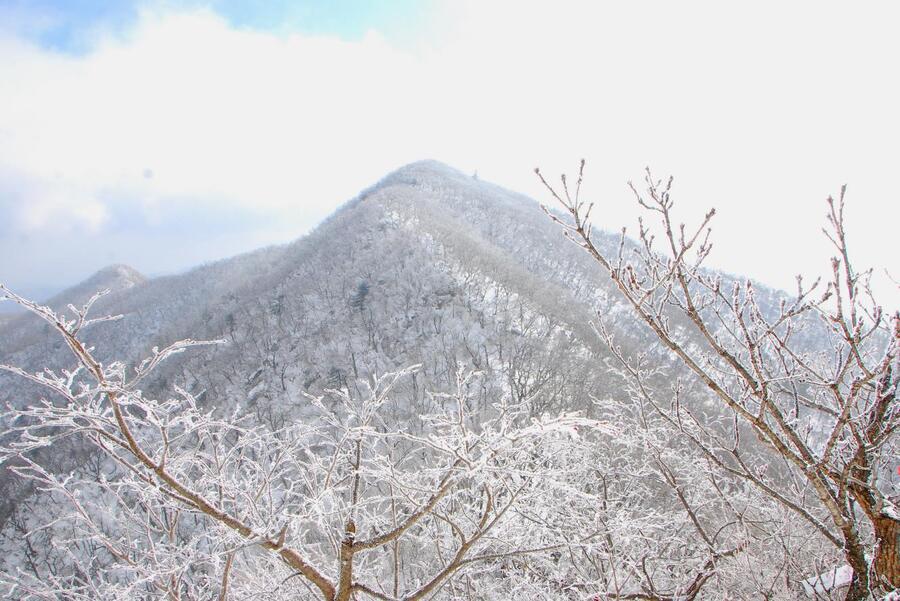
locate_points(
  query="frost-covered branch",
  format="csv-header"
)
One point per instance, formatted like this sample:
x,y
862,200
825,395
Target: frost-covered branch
x,y
185,501
814,378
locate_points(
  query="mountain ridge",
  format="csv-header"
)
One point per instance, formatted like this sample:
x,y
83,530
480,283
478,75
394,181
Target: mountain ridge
x,y
428,267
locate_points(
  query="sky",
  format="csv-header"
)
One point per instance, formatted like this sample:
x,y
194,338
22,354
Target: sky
x,y
166,134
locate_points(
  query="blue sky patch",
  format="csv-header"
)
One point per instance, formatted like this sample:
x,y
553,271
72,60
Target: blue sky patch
x,y
71,26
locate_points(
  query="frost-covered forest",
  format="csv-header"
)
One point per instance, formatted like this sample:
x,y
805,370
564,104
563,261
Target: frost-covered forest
x,y
437,395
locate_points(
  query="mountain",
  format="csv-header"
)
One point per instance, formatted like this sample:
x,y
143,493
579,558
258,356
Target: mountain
x,y
427,267
19,330
428,256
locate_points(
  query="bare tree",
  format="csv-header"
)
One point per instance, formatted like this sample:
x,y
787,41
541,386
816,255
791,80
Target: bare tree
x,y
813,378
187,504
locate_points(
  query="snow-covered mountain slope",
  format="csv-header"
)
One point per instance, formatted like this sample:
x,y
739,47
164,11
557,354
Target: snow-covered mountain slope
x,y
21,329
440,241
427,267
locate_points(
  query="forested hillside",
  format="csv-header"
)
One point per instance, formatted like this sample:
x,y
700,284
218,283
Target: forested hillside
x,y
432,395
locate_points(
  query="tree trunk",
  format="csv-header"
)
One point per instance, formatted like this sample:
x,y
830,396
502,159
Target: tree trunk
x,y
345,578
887,555
856,557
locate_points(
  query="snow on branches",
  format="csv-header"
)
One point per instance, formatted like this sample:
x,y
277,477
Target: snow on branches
x,y
807,384
183,502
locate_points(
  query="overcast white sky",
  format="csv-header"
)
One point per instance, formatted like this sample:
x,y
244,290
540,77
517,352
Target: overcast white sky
x,y
168,133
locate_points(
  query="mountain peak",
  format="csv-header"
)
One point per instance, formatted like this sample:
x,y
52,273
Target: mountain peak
x,y
124,273
415,174
112,277
426,165
418,171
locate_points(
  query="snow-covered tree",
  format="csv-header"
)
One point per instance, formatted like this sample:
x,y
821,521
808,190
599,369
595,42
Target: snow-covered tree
x,y
810,380
307,423
186,504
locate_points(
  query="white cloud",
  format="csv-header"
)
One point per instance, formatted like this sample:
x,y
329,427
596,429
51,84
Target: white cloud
x,y
210,110
760,111
56,208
